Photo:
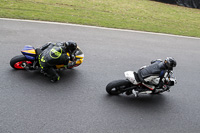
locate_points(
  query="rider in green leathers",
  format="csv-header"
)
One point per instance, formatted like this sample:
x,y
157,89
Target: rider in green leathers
x,y
56,54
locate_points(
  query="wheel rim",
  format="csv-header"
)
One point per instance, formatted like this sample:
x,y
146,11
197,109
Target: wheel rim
x,y
115,91
18,65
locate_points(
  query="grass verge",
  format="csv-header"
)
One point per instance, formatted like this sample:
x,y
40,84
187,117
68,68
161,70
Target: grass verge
x,y
143,15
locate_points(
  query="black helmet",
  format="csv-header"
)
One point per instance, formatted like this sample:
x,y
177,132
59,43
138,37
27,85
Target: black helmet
x,y
71,46
170,62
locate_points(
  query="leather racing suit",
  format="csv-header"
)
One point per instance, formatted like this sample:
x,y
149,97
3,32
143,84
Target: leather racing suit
x,y
151,76
54,54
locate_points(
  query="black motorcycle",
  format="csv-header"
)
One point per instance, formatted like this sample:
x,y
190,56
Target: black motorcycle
x,y
126,85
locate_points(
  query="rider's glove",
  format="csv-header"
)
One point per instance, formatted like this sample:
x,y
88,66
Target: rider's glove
x,y
72,58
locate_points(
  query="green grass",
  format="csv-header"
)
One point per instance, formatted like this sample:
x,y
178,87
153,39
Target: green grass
x,y
144,15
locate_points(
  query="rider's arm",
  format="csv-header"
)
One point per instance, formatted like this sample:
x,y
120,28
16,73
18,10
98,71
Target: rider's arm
x,y
45,46
66,59
72,55
158,60
162,75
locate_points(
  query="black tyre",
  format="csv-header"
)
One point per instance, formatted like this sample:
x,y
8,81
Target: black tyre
x,y
16,62
116,87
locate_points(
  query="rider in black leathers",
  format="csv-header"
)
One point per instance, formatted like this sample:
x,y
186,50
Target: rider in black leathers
x,y
158,68
53,54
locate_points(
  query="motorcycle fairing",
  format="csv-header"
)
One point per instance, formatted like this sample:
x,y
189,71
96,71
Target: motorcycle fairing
x,y
79,56
79,59
151,87
131,77
29,52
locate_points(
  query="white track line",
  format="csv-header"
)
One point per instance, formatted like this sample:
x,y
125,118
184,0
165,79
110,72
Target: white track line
x,y
95,27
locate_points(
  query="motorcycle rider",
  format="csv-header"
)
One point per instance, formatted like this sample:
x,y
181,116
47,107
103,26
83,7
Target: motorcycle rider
x,y
151,76
53,54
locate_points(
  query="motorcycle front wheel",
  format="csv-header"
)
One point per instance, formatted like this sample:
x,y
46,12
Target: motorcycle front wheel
x,y
116,87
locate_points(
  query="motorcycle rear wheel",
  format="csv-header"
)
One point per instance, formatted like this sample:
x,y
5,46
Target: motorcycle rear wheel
x,y
116,87
16,62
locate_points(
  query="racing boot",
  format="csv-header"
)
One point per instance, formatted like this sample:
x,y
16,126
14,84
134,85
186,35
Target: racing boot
x,y
54,79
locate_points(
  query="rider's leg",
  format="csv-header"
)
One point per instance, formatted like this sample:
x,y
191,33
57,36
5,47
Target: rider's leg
x,y
52,74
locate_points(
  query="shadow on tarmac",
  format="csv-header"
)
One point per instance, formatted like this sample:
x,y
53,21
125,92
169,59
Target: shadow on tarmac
x,y
36,76
144,101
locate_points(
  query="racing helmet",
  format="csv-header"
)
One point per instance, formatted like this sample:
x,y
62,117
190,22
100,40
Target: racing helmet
x,y
170,62
71,46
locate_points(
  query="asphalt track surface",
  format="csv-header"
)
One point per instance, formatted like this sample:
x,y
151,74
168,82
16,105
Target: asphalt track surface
x,y
78,103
